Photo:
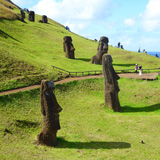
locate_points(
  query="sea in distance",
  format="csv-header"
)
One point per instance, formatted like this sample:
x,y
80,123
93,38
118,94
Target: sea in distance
x,y
153,53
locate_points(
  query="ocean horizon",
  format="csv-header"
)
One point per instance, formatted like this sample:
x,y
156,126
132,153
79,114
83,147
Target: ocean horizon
x,y
152,53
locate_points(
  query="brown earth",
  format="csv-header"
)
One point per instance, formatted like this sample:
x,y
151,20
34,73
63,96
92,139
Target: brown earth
x,y
144,76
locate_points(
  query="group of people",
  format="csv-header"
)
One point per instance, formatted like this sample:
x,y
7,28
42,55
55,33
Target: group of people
x,y
120,46
140,69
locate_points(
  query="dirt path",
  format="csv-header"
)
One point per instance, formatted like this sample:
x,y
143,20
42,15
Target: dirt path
x,y
144,76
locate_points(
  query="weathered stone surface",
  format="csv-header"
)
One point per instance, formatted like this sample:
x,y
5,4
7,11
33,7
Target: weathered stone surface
x,y
111,87
102,49
31,16
44,19
68,47
22,15
50,110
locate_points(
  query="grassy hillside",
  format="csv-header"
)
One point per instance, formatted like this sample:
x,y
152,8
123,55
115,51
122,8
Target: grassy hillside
x,y
27,50
7,10
89,130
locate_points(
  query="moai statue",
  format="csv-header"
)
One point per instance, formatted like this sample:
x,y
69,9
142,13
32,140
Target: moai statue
x,y
31,16
22,16
50,110
111,88
44,19
68,47
102,49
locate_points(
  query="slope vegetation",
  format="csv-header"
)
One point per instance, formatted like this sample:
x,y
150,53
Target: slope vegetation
x,y
28,50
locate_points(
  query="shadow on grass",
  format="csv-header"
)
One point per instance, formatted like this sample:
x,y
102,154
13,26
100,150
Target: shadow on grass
x,y
142,109
92,145
83,59
5,35
124,65
26,124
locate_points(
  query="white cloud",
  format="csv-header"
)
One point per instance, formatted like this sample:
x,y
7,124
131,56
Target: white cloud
x,y
151,16
129,22
77,14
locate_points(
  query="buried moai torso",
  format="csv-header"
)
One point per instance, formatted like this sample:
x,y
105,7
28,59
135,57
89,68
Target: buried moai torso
x,y
111,87
102,49
68,47
31,16
50,110
44,19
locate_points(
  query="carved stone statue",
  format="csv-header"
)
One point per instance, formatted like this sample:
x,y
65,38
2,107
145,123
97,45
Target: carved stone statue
x,y
68,47
44,19
111,87
31,16
22,15
50,110
102,49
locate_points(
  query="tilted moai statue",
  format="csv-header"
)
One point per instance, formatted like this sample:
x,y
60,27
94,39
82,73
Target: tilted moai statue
x,y
31,16
102,49
111,87
44,19
22,16
50,110
68,47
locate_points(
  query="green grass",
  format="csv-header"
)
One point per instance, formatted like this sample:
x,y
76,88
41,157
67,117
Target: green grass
x,y
89,129
6,12
39,46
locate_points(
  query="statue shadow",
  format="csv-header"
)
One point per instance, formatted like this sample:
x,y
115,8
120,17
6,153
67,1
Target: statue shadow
x,y
92,145
124,65
83,59
5,35
151,108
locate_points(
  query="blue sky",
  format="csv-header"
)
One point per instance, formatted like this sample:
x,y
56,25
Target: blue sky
x,y
134,23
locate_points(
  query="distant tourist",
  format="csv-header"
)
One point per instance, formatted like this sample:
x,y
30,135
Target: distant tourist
x,y
67,28
139,50
119,44
140,70
122,47
136,68
156,55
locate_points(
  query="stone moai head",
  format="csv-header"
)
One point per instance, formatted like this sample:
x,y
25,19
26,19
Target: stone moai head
x,y
22,15
44,19
31,16
67,39
68,47
111,87
103,45
108,60
104,39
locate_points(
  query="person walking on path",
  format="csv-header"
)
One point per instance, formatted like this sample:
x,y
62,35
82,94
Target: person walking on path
x,y
140,70
136,68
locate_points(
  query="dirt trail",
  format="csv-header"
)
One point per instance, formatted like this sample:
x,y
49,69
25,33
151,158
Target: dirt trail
x,y
144,76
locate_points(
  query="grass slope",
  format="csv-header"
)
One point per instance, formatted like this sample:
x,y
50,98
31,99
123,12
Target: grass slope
x,y
6,10
39,46
89,130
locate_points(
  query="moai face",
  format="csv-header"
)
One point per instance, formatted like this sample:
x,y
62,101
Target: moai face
x,y
50,85
108,59
104,40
